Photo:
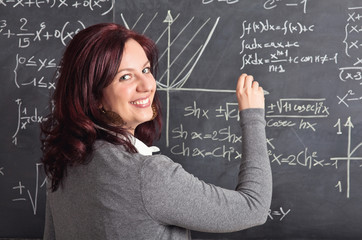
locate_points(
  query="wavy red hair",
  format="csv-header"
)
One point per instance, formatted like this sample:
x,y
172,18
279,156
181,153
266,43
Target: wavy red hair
x,y
89,64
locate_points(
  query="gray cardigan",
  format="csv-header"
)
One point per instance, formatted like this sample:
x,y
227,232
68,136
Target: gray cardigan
x,y
120,195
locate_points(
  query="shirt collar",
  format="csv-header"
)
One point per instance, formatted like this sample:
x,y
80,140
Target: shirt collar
x,y
143,148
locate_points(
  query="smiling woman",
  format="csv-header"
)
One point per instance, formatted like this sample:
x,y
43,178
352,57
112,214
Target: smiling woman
x,y
105,181
89,69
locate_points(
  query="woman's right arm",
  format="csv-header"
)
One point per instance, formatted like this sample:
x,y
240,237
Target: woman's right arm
x,y
175,197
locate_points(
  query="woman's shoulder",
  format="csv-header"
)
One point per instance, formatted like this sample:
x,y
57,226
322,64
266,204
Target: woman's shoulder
x,y
115,154
159,161
106,153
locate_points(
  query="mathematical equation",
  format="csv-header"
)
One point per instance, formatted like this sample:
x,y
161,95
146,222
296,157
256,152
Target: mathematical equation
x,y
226,111
268,4
348,98
353,31
31,70
228,153
223,135
279,114
105,6
299,113
280,52
298,108
278,214
42,32
303,158
25,64
352,47
26,117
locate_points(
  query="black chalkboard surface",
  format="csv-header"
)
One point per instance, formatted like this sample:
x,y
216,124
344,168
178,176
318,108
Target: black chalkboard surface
x,y
307,55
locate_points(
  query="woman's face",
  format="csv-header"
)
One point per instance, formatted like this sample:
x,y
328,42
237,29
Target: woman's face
x,y
132,90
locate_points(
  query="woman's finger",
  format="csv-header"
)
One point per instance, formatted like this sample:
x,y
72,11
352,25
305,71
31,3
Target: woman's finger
x,y
248,81
241,82
255,85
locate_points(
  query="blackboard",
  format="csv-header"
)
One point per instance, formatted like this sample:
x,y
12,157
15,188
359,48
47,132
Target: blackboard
x,y
307,55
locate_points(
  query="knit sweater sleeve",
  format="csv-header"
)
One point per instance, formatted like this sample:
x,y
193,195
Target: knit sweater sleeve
x,y
173,196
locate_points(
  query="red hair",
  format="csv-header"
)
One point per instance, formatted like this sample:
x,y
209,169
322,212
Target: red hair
x,y
89,64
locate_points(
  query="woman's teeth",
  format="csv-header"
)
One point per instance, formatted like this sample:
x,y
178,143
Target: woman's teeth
x,y
141,102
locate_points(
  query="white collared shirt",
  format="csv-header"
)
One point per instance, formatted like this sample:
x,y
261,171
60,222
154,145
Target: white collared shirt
x,y
143,148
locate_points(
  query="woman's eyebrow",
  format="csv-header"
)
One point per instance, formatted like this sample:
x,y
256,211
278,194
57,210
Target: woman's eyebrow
x,y
148,62
130,69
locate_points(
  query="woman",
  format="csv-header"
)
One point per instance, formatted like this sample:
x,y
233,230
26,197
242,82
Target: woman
x,y
104,181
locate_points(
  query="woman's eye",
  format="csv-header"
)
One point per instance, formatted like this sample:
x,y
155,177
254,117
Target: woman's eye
x,y
146,70
125,77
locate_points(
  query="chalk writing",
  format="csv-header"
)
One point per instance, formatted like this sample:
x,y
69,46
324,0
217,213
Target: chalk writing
x,y
221,135
225,1
352,49
25,118
43,32
225,152
350,152
280,52
227,111
351,74
353,31
302,124
24,194
278,214
105,6
37,64
270,4
303,158
298,108
350,96
255,44
284,28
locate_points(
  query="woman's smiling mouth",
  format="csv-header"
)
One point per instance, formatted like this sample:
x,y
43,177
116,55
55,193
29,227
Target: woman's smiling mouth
x,y
141,102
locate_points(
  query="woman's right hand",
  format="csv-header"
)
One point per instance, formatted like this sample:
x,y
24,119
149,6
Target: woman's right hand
x,y
249,93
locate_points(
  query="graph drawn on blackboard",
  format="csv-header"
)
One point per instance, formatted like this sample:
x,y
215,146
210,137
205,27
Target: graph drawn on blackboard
x,y
349,156
164,83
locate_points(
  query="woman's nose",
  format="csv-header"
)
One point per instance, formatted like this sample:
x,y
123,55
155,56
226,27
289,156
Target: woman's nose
x,y
146,83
